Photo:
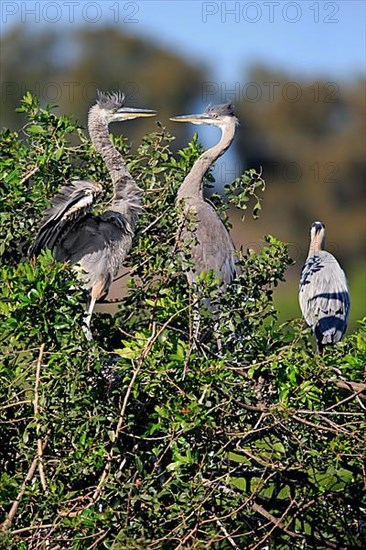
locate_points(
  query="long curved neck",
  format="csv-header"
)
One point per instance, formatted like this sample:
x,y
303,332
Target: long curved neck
x,y
127,196
192,186
317,243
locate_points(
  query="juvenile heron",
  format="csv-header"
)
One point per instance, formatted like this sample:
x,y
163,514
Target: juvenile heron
x,y
96,244
323,294
212,247
200,228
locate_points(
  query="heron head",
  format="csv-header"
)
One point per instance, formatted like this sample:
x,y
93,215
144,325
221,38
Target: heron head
x,y
216,115
112,108
317,231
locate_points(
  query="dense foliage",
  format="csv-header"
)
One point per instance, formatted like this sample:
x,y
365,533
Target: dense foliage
x,y
148,437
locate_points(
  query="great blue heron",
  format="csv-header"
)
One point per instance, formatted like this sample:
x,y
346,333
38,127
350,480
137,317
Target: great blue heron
x,y
212,247
200,228
324,295
96,244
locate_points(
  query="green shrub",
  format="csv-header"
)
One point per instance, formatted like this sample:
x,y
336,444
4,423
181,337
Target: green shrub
x,y
144,437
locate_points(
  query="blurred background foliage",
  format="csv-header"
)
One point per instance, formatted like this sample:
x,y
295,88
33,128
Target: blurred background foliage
x,y
307,134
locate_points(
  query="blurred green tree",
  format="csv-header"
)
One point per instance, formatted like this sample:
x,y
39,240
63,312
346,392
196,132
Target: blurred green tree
x,y
66,68
309,138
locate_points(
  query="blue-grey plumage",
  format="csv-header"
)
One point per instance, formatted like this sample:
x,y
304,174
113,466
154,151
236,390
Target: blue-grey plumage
x,y
96,245
200,226
323,294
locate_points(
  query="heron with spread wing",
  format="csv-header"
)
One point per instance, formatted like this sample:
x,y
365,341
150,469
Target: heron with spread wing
x,y
323,295
96,244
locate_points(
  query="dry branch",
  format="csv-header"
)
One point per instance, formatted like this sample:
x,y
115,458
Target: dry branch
x,y
276,522
357,387
13,510
36,416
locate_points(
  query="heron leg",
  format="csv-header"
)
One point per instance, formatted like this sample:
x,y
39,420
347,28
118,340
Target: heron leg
x,y
96,292
87,319
319,347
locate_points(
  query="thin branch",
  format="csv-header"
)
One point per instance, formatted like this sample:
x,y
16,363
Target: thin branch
x,y
356,387
36,416
329,413
13,510
276,522
317,426
154,222
32,528
99,539
15,404
29,175
122,414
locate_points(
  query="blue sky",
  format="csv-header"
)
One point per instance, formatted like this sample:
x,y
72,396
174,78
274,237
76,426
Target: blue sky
x,y
306,37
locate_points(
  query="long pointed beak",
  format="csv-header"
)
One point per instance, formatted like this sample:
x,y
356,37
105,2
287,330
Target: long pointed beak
x,y
136,113
196,119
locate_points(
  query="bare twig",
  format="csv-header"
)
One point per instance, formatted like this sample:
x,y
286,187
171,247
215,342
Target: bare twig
x,y
227,535
154,222
15,404
317,426
29,175
357,387
36,416
150,342
32,528
276,522
13,510
99,539
122,413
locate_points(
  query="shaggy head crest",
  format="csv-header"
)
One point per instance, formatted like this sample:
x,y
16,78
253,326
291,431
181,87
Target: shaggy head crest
x,y
225,109
110,101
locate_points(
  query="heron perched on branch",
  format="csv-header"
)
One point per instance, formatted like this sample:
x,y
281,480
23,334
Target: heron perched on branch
x,y
201,229
212,247
96,244
324,295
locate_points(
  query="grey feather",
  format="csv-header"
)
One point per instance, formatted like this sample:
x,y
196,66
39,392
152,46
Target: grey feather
x,y
110,101
324,297
225,109
211,246
96,245
71,204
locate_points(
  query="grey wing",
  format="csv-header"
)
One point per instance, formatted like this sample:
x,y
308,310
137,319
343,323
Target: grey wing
x,y
71,204
324,297
98,245
212,247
